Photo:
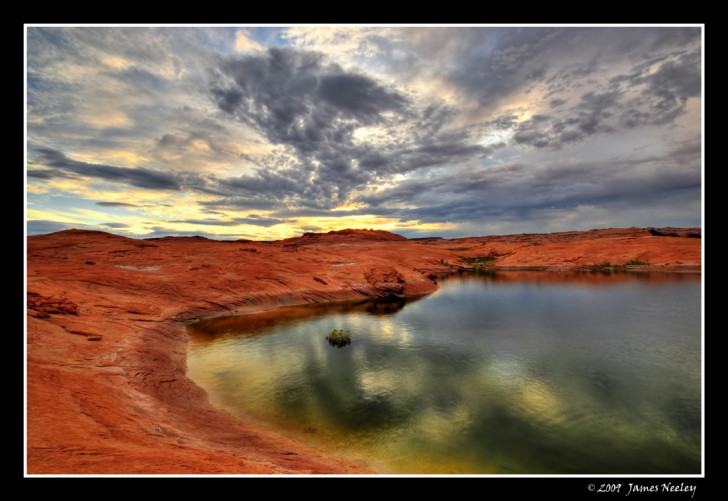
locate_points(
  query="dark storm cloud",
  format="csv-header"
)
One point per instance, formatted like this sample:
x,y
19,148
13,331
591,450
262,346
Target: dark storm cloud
x,y
297,97
579,56
522,188
590,116
265,189
47,173
256,220
460,124
232,202
139,177
661,98
42,173
358,95
115,204
252,219
301,100
205,222
665,91
517,60
115,225
263,182
305,212
167,140
580,62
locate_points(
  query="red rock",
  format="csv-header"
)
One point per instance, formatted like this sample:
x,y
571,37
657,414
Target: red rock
x,y
389,287
43,305
93,407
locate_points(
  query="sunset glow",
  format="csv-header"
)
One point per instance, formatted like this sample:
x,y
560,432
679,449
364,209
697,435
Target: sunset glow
x,y
270,132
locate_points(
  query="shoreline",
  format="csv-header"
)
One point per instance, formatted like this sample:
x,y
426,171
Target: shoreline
x,y
107,341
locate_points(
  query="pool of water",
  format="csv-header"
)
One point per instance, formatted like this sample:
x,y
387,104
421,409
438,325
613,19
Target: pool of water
x,y
506,373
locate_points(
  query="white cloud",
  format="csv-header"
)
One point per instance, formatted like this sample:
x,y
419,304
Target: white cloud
x,y
472,105
244,43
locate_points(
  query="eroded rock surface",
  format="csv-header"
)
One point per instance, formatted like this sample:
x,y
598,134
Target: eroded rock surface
x,y
122,403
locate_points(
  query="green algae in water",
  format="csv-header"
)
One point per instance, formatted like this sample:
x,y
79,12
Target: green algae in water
x,y
506,373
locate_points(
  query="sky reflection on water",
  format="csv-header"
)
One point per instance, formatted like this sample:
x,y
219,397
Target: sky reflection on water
x,y
507,373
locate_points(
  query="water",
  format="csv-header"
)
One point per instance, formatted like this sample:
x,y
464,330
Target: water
x,y
507,373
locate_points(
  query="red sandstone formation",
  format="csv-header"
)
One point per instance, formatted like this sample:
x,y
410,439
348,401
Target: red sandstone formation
x,y
107,391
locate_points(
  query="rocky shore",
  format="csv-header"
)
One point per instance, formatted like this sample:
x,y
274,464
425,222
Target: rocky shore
x,y
106,337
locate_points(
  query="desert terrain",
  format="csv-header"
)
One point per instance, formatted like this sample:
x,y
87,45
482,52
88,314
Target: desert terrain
x,y
106,338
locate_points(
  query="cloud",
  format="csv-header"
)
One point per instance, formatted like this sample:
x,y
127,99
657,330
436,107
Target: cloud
x,y
349,44
116,204
486,66
253,219
41,226
262,201
432,124
111,90
46,174
590,116
648,73
524,189
298,98
665,90
260,221
139,177
44,226
244,43
653,93
205,222
358,96
303,101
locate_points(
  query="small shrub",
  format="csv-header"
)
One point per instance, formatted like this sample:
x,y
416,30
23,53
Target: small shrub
x,y
606,267
636,262
480,262
339,338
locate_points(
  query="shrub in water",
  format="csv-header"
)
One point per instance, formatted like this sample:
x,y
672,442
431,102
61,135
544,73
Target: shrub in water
x,y
339,338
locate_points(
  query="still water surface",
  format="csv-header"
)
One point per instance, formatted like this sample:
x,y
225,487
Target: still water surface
x,y
507,373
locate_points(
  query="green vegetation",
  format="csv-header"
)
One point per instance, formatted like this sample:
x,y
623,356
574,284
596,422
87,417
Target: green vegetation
x,y
607,267
339,338
481,261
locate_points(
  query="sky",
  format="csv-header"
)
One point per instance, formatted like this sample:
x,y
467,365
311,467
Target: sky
x,y
264,133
